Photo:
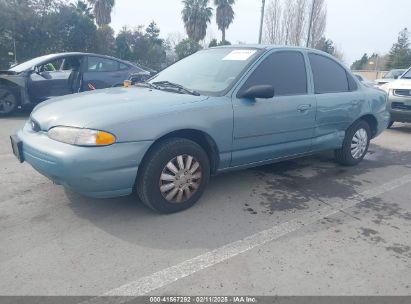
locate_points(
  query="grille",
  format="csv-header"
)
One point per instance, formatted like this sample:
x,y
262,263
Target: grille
x,y
35,126
406,93
400,106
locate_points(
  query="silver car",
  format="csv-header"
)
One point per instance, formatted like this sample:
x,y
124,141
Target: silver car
x,y
399,98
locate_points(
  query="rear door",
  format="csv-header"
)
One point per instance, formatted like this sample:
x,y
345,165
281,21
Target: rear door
x,y
268,129
339,101
101,72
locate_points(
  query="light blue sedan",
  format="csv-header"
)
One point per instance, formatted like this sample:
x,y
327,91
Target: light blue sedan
x,y
220,109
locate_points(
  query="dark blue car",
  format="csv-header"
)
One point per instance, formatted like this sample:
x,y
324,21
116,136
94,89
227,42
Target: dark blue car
x,y
54,75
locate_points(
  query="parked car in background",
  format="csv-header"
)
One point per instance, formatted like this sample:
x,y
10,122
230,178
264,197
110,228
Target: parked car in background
x,y
364,81
399,98
220,109
54,75
390,76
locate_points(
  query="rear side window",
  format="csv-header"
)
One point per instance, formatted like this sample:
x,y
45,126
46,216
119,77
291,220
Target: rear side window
x,y
97,64
123,66
329,76
283,70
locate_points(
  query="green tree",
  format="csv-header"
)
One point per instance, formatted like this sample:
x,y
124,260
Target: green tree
x,y
124,44
196,16
225,15
83,9
400,54
325,45
187,47
102,11
214,43
153,32
143,47
361,63
105,41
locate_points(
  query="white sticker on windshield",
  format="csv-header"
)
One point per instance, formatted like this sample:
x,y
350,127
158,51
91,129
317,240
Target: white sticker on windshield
x,y
240,55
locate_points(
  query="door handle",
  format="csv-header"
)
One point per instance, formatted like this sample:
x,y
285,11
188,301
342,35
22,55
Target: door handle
x,y
355,102
304,107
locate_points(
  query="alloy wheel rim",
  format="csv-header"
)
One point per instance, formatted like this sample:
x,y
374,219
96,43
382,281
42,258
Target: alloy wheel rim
x,y
359,143
7,102
180,179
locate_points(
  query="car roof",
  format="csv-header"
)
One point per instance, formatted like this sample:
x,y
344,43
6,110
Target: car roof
x,y
265,47
41,59
268,47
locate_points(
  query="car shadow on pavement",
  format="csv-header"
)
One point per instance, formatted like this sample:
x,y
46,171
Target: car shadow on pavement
x,y
239,204
406,128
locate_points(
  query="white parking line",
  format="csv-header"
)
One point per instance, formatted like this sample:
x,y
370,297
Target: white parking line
x,y
172,274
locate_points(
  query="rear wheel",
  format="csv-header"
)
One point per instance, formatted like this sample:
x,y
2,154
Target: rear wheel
x,y
8,102
355,145
174,175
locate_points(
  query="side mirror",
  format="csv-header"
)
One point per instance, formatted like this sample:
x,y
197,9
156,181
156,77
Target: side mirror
x,y
258,91
396,76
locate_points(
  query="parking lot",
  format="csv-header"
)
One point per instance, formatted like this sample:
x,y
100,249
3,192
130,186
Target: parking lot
x,y
301,227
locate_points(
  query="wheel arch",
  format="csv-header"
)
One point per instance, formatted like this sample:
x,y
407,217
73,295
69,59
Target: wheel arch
x,y
372,122
200,137
13,87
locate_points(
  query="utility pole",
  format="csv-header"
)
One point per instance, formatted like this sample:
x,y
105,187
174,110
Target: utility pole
x,y
260,37
310,23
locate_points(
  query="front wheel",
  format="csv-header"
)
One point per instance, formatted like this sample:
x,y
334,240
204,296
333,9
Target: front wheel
x,y
8,102
174,175
355,145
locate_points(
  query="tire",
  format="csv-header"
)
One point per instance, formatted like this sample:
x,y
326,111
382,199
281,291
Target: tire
x,y
156,183
390,124
8,102
348,155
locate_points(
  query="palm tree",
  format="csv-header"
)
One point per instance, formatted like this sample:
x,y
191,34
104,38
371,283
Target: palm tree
x,y
225,15
102,11
83,9
196,15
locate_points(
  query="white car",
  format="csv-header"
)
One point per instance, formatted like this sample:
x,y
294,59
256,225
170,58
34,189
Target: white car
x,y
399,98
389,77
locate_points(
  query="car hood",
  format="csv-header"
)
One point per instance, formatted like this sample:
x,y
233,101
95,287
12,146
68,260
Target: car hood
x,y
101,108
4,72
399,84
383,80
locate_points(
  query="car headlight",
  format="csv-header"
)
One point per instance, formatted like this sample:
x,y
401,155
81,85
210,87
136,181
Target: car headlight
x,y
81,137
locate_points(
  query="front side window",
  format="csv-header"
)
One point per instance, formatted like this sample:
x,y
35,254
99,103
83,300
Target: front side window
x,y
285,71
329,76
209,72
407,75
51,66
97,64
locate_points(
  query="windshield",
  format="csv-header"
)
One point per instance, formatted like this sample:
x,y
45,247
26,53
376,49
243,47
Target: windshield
x,y
407,75
30,64
209,72
394,74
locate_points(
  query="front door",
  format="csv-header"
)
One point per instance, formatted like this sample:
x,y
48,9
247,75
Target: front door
x,y
53,78
268,129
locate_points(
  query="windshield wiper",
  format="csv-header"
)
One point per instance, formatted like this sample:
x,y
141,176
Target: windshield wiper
x,y
149,85
180,88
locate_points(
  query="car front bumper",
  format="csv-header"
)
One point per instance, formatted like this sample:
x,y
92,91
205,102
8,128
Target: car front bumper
x,y
400,108
101,172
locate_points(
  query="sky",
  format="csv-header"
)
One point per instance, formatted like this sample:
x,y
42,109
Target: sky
x,y
355,26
